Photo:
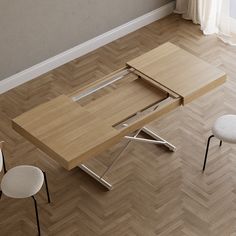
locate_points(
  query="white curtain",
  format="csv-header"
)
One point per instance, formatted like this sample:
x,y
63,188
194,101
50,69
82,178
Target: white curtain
x,y
189,10
214,16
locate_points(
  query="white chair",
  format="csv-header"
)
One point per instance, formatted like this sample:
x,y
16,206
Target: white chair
x,y
223,129
22,181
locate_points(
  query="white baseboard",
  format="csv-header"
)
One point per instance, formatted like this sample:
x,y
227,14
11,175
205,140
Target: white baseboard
x,y
84,48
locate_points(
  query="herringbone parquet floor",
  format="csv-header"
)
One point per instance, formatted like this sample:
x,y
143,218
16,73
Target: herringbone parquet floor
x,y
155,192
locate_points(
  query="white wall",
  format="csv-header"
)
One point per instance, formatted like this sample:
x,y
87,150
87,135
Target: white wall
x,y
33,31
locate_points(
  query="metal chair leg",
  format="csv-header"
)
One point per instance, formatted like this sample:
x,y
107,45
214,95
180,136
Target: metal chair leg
x,y
220,143
4,164
208,143
46,183
36,213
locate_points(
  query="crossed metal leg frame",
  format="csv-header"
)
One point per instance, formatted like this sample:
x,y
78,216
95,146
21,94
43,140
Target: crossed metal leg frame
x,y
155,139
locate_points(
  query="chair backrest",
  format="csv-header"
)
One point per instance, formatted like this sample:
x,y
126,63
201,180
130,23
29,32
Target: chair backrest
x,y
1,155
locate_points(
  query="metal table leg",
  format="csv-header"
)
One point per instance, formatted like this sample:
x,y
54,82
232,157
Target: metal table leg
x,y
156,140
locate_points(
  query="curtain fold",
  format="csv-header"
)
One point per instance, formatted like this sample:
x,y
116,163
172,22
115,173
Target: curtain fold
x,y
189,10
181,6
214,16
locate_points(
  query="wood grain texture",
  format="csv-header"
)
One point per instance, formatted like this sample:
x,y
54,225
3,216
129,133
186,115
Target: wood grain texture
x,y
179,71
65,130
73,134
125,101
155,192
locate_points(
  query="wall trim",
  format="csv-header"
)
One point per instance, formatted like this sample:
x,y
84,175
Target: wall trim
x,y
84,48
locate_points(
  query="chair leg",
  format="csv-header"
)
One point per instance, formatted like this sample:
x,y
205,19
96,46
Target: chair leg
x,y
4,164
36,213
220,143
208,143
46,183
0,194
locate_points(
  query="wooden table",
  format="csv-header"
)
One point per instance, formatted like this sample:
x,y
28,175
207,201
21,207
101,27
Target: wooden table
x,y
76,127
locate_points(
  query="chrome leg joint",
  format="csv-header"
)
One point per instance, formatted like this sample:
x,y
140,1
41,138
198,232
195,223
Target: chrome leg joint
x,y
156,139
95,176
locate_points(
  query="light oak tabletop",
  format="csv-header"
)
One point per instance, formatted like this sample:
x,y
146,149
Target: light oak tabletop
x,y
71,132
179,71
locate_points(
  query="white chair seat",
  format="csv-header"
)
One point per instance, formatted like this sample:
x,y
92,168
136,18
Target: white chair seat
x,y
22,181
225,128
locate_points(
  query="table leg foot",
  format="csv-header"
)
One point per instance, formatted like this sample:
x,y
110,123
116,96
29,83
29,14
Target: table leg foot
x,y
95,176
